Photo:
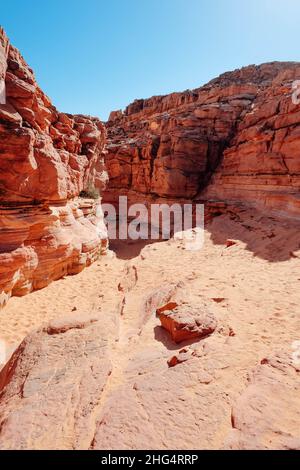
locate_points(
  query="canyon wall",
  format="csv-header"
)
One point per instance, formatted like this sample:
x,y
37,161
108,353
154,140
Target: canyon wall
x,y
47,159
236,139
108,376
262,164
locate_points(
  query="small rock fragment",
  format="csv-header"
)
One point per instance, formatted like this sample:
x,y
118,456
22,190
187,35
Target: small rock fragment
x,y
230,243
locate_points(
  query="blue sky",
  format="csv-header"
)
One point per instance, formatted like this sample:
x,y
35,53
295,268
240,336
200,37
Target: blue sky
x,y
95,56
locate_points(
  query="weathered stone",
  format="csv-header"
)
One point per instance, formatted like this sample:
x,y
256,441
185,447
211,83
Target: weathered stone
x,y
267,414
46,159
52,385
236,139
185,322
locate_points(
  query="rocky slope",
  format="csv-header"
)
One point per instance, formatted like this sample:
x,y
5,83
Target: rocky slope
x,y
46,159
241,130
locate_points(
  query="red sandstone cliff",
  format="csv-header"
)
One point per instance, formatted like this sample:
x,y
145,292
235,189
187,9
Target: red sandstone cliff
x,y
261,166
46,159
241,127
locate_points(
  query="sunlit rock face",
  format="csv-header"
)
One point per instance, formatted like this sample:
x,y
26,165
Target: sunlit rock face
x,y
46,159
236,139
262,164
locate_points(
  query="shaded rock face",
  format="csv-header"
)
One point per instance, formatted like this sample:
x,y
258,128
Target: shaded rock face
x,y
46,159
242,124
169,146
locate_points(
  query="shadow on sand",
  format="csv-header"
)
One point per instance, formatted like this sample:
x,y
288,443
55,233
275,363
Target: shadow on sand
x,y
129,249
163,336
269,238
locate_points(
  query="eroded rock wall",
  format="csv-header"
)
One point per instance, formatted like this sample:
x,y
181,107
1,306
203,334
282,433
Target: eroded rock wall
x,y
262,164
234,140
46,159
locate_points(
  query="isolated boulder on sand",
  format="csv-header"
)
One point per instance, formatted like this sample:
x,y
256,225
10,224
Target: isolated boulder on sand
x,y
186,321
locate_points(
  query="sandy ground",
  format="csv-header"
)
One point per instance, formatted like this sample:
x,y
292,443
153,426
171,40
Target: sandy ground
x,y
253,284
259,279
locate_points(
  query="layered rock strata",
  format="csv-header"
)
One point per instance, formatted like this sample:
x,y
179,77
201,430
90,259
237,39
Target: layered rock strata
x,y
236,140
47,159
262,165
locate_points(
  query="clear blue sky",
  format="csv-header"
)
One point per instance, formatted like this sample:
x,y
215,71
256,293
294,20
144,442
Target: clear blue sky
x,y
95,56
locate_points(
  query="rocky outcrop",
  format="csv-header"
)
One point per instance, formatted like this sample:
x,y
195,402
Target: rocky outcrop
x,y
47,159
267,415
241,130
56,378
58,392
262,164
168,146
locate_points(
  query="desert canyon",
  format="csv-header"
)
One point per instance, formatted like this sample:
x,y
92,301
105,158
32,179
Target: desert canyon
x,y
122,344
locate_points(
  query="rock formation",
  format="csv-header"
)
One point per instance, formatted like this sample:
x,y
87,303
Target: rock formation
x,y
267,414
109,376
262,164
47,159
185,322
235,139
71,367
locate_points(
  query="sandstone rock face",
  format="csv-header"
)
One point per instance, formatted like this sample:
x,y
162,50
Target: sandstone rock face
x,y
241,128
261,166
168,146
46,159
